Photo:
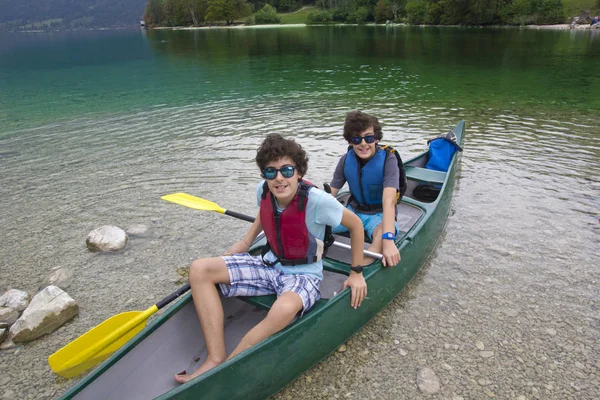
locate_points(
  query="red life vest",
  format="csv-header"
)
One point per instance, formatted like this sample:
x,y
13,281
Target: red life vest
x,y
286,232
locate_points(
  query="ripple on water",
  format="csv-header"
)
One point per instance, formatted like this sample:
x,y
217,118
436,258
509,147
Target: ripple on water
x,y
519,256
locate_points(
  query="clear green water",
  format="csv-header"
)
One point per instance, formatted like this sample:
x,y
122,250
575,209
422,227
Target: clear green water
x,y
49,77
96,126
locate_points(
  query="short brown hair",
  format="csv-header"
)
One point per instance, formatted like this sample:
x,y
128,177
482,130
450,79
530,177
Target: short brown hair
x,y
357,122
275,147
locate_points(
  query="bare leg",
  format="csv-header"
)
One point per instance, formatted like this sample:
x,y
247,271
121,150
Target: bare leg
x,y
280,315
204,274
376,244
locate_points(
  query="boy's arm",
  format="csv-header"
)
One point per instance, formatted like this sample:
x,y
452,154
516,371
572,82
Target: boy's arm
x,y
391,254
356,280
338,180
244,245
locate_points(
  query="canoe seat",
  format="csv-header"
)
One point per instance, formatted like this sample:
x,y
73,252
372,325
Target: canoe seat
x,y
266,302
425,175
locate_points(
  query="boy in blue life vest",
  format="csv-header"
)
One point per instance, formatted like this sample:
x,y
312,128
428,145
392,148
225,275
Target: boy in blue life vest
x,y
294,216
373,176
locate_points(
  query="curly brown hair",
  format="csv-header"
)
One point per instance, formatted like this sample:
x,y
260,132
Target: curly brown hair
x,y
358,122
275,147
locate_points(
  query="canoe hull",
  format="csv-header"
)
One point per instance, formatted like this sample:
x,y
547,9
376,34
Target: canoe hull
x,y
267,367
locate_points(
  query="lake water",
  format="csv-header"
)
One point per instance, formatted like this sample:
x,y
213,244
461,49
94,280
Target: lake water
x,y
96,126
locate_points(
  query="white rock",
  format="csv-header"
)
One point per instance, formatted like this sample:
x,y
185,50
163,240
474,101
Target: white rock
x,y
48,310
8,315
15,299
427,381
137,230
3,332
106,238
60,276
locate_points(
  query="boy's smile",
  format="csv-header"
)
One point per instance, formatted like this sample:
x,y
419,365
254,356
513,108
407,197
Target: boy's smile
x,y
284,189
365,150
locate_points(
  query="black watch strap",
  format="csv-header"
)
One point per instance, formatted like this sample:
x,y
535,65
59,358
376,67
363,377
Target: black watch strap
x,y
358,268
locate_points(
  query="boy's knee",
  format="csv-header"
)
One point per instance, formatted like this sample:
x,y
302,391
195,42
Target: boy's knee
x,y
288,306
201,270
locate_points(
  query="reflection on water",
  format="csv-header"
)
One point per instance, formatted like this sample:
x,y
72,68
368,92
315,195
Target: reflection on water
x,y
520,254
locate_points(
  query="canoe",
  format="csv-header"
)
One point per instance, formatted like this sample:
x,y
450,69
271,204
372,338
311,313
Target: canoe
x,y
144,367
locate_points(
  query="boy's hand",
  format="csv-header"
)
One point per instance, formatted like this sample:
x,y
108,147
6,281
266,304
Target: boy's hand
x,y
358,286
238,248
391,254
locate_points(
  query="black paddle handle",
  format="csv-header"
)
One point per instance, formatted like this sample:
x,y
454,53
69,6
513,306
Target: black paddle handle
x,y
240,216
173,296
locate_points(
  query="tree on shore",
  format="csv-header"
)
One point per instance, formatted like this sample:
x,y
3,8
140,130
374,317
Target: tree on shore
x,y
227,10
432,12
446,12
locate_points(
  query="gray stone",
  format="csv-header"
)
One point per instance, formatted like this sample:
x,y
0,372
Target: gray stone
x,y
106,238
15,299
137,230
3,332
60,276
7,344
48,310
8,315
486,354
427,381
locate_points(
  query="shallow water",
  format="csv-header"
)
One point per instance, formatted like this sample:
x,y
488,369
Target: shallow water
x,y
95,127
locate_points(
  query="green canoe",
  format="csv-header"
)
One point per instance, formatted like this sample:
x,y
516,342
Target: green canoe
x,y
144,367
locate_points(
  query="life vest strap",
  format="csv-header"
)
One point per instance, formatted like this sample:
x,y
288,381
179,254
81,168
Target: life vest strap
x,y
288,263
364,207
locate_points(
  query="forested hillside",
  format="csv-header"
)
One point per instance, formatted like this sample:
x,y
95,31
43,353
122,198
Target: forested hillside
x,y
69,14
431,12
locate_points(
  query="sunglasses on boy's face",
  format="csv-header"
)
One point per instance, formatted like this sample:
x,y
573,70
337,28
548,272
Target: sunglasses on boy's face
x,y
287,171
356,140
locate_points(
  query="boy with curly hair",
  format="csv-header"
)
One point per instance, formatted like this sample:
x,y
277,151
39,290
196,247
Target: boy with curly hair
x,y
293,215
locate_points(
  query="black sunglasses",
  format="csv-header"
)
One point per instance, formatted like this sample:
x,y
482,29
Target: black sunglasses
x,y
358,139
287,171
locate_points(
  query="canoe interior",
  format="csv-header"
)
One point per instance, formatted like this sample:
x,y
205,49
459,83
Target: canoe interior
x,y
173,342
177,345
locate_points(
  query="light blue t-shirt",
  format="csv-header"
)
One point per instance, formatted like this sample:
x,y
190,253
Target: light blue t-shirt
x,y
321,209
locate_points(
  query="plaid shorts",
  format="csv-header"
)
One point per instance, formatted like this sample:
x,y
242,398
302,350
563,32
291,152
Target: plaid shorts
x,y
249,276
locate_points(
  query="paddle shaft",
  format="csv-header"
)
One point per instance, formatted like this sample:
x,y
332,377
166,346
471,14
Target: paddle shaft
x,y
336,243
239,216
173,296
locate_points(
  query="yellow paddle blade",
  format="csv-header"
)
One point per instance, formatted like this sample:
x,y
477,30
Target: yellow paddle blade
x,y
194,202
98,343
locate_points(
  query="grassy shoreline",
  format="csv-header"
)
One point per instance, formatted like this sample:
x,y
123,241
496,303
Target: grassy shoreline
x,y
296,25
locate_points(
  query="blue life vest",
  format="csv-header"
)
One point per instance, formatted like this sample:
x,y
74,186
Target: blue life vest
x,y
366,183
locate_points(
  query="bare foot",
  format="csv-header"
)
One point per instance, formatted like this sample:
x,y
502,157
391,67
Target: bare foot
x,y
182,377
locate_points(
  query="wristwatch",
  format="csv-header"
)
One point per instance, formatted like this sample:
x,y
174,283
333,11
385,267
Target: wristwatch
x,y
388,236
358,268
